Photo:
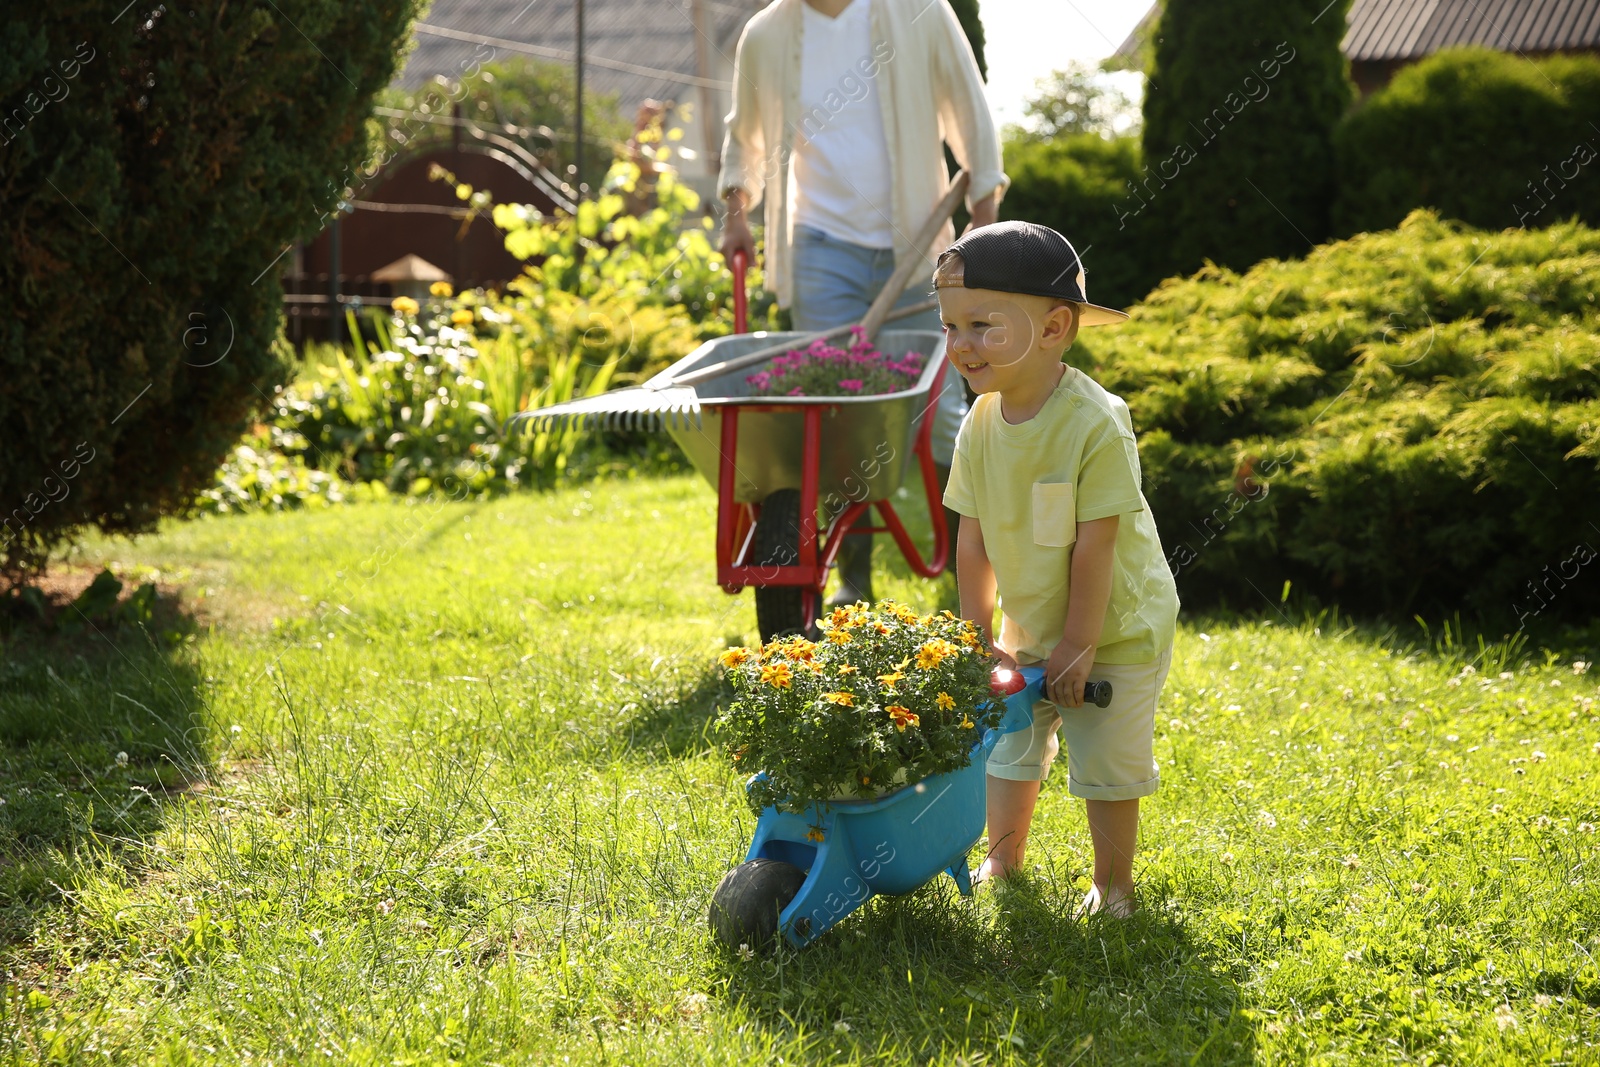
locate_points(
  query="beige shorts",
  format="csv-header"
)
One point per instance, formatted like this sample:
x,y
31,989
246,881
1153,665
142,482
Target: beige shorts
x,y
1110,750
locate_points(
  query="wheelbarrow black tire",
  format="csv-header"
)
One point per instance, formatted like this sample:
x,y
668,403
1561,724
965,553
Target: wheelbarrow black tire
x,y
748,900
782,609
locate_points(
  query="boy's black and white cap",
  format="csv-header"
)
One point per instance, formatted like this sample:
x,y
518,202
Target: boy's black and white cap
x,y
1024,257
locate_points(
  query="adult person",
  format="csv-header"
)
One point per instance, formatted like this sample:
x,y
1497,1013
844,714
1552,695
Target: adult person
x,y
841,111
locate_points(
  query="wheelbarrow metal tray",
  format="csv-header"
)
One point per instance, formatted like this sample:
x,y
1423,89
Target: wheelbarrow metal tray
x,y
866,440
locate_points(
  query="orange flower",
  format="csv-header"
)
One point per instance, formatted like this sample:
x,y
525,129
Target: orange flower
x,y
881,626
776,675
839,637
903,717
866,780
799,648
945,701
734,656
843,698
816,834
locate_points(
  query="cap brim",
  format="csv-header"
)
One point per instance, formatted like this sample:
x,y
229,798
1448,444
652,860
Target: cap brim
x,y
1095,315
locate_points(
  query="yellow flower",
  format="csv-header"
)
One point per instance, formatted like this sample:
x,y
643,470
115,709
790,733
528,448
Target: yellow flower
x,y
841,616
865,780
966,723
404,305
734,656
843,698
932,653
891,678
849,668
441,289
839,637
881,626
461,317
945,701
816,834
776,675
902,716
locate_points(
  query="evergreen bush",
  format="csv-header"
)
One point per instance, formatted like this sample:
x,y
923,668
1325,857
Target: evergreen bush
x,y
1078,184
157,161
1405,421
1239,113
1494,140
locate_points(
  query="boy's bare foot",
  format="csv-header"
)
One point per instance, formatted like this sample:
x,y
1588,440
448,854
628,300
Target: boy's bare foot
x,y
990,871
1117,903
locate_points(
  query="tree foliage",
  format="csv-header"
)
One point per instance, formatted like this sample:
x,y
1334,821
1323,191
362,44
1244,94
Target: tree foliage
x,y
538,97
1239,114
157,161
1491,139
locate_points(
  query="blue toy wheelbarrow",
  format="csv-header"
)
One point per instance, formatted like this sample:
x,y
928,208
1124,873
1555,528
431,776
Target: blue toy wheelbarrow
x,y
805,871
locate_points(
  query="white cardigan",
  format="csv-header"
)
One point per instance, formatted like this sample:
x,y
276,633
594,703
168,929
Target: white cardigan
x,y
931,93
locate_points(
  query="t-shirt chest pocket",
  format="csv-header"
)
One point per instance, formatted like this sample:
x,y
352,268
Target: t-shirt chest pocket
x,y
1055,519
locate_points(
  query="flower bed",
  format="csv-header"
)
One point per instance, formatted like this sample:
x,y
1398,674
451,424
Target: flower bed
x,y
887,697
822,369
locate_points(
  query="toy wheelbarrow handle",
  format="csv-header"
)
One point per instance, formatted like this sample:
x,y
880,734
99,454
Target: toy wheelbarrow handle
x,y
1096,693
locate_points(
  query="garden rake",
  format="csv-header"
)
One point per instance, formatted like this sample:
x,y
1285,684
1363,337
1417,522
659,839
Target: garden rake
x,y
668,400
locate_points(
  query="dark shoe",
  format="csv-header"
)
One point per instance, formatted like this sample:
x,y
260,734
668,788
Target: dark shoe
x,y
854,566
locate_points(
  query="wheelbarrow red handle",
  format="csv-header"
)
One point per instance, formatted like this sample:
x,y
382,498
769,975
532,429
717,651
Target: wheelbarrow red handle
x,y
739,299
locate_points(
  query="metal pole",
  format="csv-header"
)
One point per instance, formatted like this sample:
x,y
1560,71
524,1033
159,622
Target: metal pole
x,y
577,146
335,320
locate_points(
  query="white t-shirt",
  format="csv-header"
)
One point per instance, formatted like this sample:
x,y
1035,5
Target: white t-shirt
x,y
840,170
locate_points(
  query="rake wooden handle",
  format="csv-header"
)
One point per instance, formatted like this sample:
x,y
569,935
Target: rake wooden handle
x,y
878,313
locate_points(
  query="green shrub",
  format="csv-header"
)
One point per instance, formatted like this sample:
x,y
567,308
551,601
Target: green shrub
x,y
1078,184
1492,139
1405,421
158,160
1239,113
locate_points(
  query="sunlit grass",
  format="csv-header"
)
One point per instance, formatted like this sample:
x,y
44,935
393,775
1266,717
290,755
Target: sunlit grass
x,y
431,784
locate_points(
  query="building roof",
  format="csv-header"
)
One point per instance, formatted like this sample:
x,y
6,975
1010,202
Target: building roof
x,y
410,268
637,49
1411,29
1397,30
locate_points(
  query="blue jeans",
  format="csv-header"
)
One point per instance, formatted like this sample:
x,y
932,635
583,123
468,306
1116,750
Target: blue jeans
x,y
836,281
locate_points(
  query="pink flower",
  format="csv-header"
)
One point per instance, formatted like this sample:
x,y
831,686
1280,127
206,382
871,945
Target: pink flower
x,y
851,384
797,391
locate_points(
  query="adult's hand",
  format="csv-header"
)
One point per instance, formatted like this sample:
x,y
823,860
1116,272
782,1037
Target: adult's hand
x,y
984,213
736,234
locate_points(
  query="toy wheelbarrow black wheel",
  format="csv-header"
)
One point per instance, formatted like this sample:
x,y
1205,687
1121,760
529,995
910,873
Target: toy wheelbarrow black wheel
x,y
782,609
748,901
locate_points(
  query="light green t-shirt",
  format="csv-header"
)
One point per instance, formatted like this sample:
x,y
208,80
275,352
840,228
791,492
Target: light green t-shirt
x,y
1029,486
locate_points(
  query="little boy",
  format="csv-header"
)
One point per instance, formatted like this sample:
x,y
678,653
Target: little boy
x,y
1046,479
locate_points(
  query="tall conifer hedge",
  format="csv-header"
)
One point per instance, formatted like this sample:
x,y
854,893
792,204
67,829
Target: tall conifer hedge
x,y
156,160
1239,114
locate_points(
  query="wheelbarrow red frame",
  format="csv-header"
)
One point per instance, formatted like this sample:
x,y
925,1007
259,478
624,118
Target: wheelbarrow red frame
x,y
817,548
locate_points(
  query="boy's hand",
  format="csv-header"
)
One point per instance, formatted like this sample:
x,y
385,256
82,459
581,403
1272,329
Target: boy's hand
x,y
1005,660
1066,672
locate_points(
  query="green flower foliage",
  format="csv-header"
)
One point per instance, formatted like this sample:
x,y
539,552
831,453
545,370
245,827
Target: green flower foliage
x,y
1239,114
1405,421
158,159
886,698
1492,139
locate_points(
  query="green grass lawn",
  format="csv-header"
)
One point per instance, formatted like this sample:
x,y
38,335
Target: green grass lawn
x,y
431,784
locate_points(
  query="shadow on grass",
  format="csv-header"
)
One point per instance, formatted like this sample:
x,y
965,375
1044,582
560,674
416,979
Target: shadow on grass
x,y
676,722
1012,973
99,726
